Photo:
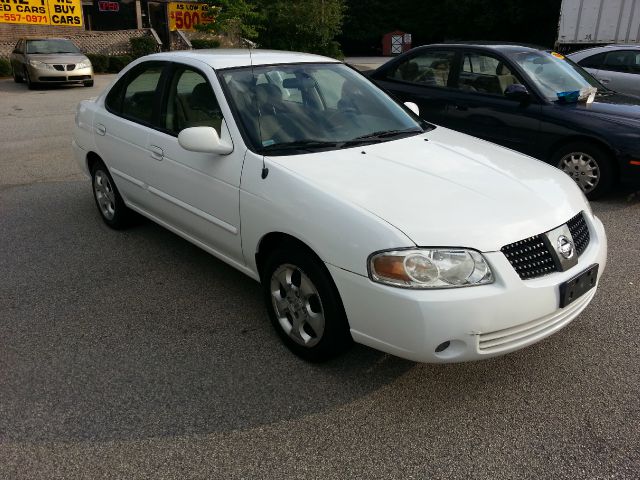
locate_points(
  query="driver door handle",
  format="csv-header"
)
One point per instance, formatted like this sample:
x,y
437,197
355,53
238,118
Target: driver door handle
x,y
101,129
605,80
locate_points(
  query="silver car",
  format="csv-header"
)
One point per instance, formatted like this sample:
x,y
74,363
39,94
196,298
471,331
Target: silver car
x,y
50,60
616,66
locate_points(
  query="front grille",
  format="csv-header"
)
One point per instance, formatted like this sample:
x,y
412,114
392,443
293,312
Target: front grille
x,y
79,77
71,66
580,232
60,68
531,257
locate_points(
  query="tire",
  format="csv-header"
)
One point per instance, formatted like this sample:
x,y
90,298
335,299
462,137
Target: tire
x,y
589,165
304,304
110,205
27,79
17,78
88,83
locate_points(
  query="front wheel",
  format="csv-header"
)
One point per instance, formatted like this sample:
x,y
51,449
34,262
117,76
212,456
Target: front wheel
x,y
590,167
16,77
27,79
304,305
88,83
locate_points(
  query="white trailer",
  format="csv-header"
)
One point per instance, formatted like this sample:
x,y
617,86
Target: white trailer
x,y
585,23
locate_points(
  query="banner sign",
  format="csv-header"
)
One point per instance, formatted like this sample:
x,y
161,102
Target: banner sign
x,y
185,16
67,13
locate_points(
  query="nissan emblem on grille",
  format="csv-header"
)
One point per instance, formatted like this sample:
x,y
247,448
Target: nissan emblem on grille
x,y
565,247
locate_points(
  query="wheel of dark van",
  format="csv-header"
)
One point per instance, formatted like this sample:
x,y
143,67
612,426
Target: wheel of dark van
x,y
590,166
304,305
88,83
112,208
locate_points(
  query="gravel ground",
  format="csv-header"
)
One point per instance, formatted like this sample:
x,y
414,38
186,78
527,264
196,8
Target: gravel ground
x,y
136,355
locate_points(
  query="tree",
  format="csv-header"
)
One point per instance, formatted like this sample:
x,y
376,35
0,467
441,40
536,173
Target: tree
x,y
303,25
236,19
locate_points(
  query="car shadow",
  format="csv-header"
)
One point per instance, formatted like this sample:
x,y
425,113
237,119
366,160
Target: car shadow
x,y
134,334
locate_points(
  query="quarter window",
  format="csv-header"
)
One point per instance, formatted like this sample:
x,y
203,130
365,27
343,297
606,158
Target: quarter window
x,y
485,74
428,68
190,103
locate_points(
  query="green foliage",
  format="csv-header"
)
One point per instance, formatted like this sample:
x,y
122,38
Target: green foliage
x,y
118,62
302,25
199,43
5,68
100,62
236,19
141,46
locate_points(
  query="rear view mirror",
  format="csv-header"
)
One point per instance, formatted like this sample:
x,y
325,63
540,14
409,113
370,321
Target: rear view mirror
x,y
517,92
413,107
204,140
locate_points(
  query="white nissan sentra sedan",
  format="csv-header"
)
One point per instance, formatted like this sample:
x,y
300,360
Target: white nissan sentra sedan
x,y
362,222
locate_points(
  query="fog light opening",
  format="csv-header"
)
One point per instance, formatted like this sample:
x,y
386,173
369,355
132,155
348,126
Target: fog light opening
x,y
443,346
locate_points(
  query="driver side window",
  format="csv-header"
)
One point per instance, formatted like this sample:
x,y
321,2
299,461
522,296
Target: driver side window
x,y
191,102
485,74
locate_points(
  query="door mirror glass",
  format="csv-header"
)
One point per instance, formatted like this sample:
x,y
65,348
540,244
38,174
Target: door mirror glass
x,y
413,107
204,140
517,92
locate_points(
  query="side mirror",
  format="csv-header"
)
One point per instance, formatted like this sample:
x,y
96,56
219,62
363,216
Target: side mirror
x,y
517,92
204,140
413,107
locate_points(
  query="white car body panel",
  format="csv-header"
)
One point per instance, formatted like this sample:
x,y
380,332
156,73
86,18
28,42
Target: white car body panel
x,y
439,189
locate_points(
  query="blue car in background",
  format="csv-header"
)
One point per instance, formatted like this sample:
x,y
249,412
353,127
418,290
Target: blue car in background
x,y
532,100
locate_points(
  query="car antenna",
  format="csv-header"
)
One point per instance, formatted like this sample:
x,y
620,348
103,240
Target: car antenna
x,y
265,170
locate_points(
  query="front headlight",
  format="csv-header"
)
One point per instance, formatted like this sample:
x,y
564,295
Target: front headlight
x,y
41,65
430,268
83,64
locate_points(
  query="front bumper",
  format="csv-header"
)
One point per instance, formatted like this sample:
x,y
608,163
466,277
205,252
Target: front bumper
x,y
479,322
55,76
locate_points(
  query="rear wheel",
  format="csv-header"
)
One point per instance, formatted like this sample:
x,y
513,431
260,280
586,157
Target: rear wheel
x,y
304,305
590,166
112,208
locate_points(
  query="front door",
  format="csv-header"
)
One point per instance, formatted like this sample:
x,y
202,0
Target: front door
x,y
478,105
198,193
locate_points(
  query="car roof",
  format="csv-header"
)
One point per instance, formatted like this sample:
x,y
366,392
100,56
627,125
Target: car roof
x,y
498,46
219,58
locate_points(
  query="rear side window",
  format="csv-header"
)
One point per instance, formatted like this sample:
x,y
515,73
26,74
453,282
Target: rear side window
x,y
134,96
431,68
594,61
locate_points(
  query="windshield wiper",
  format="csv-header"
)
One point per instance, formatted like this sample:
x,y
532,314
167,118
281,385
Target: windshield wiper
x,y
308,145
380,135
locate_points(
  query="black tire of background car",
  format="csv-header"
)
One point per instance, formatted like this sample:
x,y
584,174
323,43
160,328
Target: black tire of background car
x,y
16,77
123,216
88,83
336,337
27,79
602,158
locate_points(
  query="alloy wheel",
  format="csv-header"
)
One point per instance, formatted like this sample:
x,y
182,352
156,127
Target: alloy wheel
x,y
297,305
105,194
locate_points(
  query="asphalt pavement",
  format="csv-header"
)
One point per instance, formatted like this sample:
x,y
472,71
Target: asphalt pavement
x,y
136,355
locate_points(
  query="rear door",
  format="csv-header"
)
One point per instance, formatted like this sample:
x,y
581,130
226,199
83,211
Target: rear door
x,y
425,78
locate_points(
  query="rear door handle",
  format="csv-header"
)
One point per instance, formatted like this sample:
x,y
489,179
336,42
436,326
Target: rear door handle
x,y
156,152
101,129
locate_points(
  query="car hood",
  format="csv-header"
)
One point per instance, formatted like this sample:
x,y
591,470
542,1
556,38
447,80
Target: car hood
x,y
444,188
616,107
58,57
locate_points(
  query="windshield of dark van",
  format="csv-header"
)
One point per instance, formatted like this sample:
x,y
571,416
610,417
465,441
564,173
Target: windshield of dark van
x,y
289,109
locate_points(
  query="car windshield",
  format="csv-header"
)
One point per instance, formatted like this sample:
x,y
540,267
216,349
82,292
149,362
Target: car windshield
x,y
553,73
289,109
51,46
